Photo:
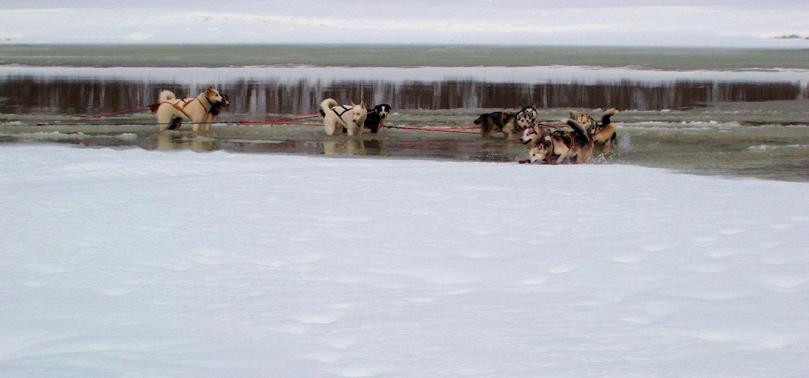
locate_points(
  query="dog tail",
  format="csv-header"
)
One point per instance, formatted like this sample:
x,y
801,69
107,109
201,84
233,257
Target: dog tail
x,y
479,120
326,105
579,130
605,119
165,95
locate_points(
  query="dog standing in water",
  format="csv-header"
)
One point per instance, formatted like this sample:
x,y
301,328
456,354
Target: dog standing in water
x,y
200,110
376,117
510,124
336,117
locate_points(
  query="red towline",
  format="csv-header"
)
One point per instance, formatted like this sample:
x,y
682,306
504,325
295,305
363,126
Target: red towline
x,y
139,108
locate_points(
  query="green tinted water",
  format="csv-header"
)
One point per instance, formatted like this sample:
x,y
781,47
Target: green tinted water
x,y
402,56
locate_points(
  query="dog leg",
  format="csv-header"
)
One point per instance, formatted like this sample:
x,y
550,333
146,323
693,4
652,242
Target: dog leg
x,y
175,123
164,120
329,126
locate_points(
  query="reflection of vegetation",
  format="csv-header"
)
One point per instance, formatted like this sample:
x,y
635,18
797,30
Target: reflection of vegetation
x,y
272,96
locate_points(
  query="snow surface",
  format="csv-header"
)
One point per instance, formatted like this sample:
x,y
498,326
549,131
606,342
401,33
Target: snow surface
x,y
130,262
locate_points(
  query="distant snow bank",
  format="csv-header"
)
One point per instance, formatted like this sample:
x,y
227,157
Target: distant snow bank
x,y
185,264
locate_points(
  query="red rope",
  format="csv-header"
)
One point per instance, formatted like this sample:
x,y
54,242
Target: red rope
x,y
288,121
110,114
458,130
277,120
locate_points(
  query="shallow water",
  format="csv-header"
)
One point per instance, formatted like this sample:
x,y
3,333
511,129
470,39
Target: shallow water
x,y
771,151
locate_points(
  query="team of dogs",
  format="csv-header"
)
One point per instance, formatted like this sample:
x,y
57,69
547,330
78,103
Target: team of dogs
x,y
550,145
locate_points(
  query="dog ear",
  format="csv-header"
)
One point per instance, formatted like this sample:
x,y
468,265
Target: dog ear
x,y
362,103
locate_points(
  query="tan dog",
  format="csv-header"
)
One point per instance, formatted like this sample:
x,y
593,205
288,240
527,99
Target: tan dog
x,y
604,134
336,117
200,110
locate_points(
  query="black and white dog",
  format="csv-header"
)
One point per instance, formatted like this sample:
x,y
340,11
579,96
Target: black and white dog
x,y
376,117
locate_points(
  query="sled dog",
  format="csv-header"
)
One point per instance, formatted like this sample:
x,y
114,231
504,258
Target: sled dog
x,y
336,117
200,110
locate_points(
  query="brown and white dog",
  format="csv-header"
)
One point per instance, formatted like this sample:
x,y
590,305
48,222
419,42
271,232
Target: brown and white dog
x,y
559,147
510,124
495,122
604,133
336,117
546,146
200,110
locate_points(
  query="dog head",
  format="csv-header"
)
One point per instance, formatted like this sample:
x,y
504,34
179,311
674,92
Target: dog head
x,y
527,116
542,150
530,135
358,113
382,110
213,95
586,120
216,108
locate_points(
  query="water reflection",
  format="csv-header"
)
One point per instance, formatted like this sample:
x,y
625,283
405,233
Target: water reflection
x,y
31,94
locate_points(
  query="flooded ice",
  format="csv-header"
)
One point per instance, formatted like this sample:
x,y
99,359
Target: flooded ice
x,y
706,119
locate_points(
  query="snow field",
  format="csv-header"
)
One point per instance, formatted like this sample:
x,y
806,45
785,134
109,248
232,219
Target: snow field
x,y
138,263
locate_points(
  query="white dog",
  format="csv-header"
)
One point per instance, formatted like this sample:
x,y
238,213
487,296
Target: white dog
x,y
200,110
336,117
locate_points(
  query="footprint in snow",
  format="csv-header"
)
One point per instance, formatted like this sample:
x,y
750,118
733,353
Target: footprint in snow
x,y
704,239
340,343
358,371
720,253
562,269
534,281
785,282
659,247
325,357
707,268
317,318
628,259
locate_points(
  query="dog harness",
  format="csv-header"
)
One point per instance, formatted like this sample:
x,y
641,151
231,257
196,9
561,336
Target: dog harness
x,y
345,108
185,104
